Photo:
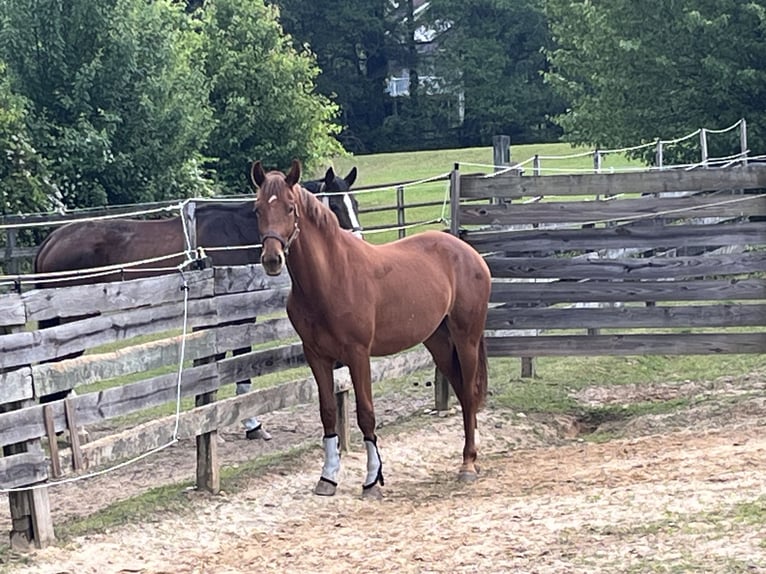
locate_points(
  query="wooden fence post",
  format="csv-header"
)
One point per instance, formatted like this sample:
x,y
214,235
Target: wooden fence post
x,y
454,201
190,228
208,471
11,263
441,384
342,424
31,521
400,211
441,391
659,160
501,158
30,510
703,147
743,140
501,151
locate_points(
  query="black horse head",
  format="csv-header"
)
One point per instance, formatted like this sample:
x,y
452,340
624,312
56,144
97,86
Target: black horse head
x,y
334,192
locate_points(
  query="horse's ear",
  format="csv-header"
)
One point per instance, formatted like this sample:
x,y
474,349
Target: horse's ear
x,y
351,177
294,175
329,177
257,175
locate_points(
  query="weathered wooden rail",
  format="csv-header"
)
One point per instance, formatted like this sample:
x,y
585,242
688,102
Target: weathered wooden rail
x,y
36,362
606,245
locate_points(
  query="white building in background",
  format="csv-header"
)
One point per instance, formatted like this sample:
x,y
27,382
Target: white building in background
x,y
426,38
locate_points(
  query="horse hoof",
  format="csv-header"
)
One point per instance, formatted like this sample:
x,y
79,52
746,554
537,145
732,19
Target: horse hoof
x,y
372,493
324,488
467,476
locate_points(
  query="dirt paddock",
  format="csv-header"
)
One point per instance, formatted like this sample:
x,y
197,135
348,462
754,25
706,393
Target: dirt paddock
x,y
679,492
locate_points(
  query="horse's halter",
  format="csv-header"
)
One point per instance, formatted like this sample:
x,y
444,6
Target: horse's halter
x,y
285,243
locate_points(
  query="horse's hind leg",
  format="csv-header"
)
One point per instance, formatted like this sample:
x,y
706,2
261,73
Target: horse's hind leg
x,y
456,361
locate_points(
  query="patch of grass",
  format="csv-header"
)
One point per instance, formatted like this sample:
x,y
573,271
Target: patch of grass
x,y
607,413
594,417
753,512
559,376
375,169
147,507
538,394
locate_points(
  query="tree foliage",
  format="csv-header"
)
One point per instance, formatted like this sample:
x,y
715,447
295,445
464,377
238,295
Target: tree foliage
x,y
122,101
636,71
491,52
262,93
24,185
354,42
484,54
116,100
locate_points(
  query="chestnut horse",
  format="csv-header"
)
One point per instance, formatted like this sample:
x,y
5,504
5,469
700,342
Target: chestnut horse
x,y
351,300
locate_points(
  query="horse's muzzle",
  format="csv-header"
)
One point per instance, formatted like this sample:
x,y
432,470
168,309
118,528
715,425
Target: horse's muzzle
x,y
273,263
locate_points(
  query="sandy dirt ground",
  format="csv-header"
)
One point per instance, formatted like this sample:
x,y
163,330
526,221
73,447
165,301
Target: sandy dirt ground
x,y
678,492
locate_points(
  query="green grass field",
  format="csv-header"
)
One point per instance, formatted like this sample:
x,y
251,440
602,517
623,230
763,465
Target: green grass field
x,y
384,170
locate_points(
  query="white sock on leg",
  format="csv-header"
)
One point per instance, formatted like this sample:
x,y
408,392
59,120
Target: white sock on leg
x,y
331,459
374,464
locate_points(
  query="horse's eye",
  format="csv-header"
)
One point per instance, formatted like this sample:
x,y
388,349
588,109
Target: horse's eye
x,y
291,210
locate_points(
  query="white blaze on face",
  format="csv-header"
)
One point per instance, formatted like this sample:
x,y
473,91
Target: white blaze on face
x,y
331,458
352,215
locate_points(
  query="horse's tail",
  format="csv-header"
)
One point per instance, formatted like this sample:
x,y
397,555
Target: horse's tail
x,y
482,376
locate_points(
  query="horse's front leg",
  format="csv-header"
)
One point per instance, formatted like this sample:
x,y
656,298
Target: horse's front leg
x,y
321,367
359,368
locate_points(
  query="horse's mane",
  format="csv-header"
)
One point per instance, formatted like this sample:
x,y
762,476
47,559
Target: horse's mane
x,y
316,211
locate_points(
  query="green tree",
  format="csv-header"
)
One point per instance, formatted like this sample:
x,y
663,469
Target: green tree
x,y
490,51
262,93
117,99
636,71
24,186
354,42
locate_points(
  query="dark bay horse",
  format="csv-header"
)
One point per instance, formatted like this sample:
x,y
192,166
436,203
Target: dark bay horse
x,y
351,300
92,244
100,243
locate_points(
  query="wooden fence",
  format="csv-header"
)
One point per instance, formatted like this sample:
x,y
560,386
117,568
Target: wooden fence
x,y
221,308
673,261
659,262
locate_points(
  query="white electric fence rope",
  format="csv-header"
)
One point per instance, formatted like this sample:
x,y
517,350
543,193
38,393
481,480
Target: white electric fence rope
x,y
87,273
174,437
31,224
